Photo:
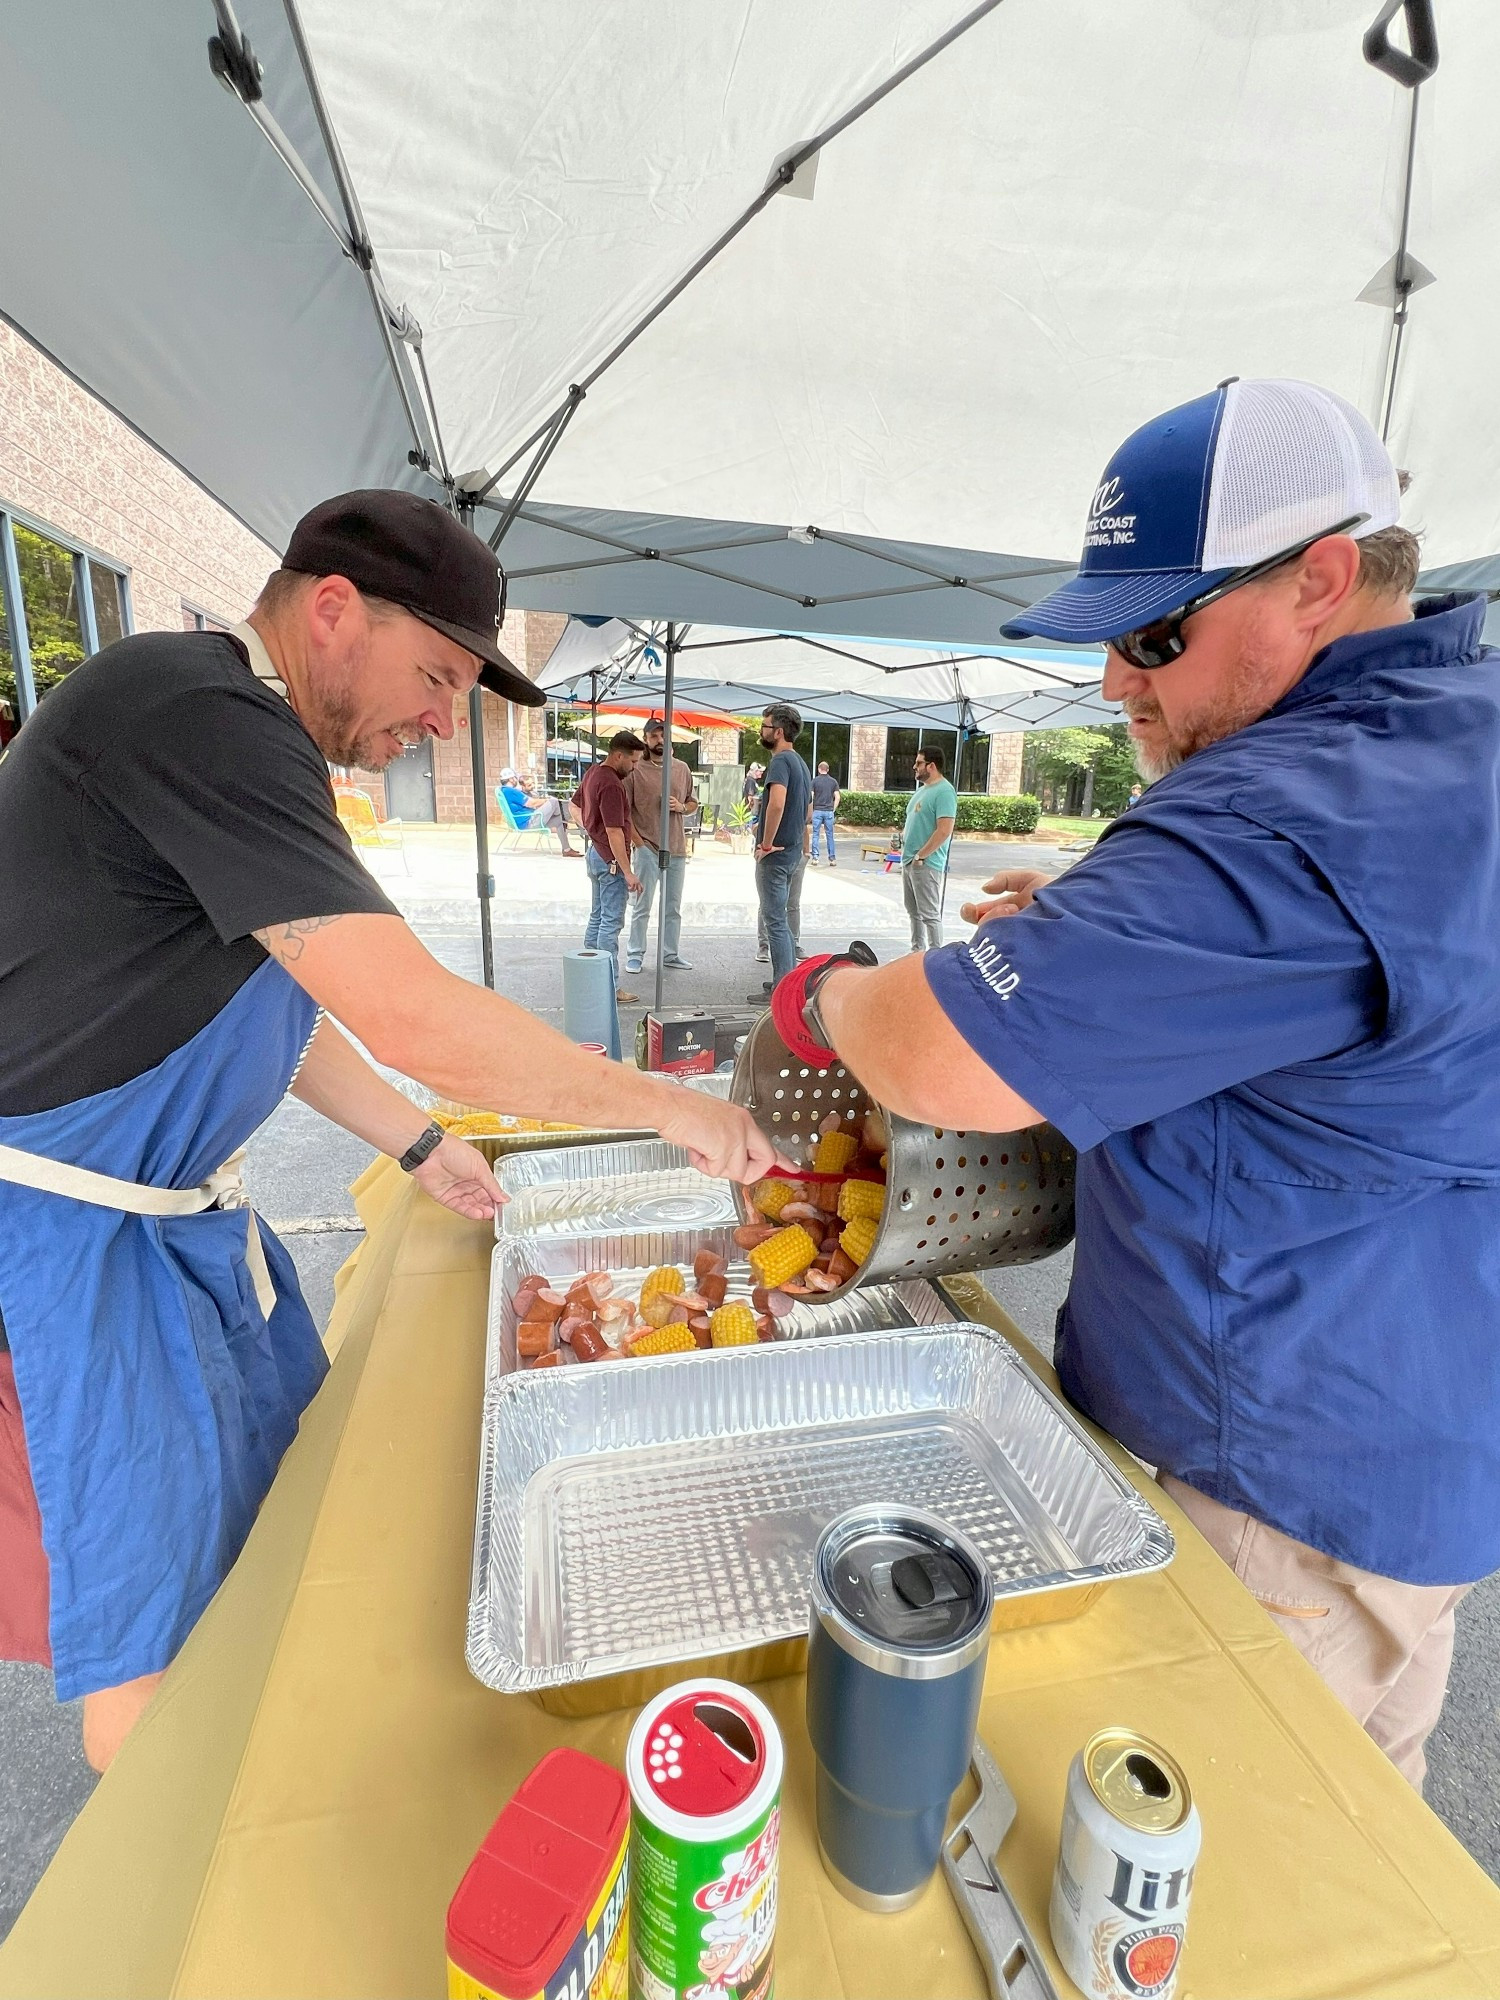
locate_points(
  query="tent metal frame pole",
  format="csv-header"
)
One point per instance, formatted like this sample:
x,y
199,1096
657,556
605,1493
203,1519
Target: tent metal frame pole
x,y
484,881
391,318
664,827
1401,306
237,67
14,607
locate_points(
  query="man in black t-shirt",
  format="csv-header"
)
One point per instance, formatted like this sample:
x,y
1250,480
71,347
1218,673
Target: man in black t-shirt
x,y
178,904
782,830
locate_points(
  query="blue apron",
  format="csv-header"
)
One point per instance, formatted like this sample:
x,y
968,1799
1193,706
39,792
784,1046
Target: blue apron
x,y
158,1398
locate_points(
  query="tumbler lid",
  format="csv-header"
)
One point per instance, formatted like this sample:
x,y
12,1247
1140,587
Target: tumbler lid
x,y
902,1592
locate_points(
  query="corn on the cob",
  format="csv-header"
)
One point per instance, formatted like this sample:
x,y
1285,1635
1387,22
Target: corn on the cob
x,y
772,1196
674,1339
665,1278
782,1256
861,1198
858,1239
733,1325
834,1151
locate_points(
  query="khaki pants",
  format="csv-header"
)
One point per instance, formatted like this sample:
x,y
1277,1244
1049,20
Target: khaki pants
x,y
1383,1647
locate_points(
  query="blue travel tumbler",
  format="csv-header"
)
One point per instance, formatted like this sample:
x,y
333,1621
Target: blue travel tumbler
x,y
900,1628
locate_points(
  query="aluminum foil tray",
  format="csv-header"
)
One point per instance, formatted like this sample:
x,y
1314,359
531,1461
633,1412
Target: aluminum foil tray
x,y
637,1184
641,1513
629,1254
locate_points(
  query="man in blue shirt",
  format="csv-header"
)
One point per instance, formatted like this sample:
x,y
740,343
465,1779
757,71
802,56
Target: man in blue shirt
x,y
1266,1010
534,809
930,818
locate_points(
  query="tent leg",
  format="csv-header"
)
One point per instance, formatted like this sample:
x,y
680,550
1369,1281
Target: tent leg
x,y
664,832
485,881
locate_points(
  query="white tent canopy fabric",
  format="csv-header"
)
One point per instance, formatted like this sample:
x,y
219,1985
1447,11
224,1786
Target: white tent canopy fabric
x,y
1068,218
831,681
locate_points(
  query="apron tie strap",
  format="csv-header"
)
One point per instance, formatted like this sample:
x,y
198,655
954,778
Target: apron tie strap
x,y
225,1188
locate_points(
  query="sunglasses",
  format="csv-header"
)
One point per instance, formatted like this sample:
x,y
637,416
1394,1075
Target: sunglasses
x,y
1161,641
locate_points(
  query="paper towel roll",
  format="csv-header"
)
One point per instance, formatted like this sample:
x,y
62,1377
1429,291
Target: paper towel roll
x,y
589,1011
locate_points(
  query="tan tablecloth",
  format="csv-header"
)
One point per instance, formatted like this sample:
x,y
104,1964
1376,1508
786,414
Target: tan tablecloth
x,y
296,1809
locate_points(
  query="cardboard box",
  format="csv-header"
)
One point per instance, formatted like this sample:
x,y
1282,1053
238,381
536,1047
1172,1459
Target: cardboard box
x,y
680,1040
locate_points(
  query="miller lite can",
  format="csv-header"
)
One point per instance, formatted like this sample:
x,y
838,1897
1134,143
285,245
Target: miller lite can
x,y
1130,1840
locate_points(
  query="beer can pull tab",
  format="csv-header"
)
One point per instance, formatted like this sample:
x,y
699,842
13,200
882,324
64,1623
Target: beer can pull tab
x,y
1015,1967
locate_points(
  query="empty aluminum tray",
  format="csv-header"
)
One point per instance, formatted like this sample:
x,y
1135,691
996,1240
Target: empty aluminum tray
x,y
630,1184
637,1515
629,1254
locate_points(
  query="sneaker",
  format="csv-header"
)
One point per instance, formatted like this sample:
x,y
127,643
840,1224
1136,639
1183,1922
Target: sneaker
x,y
633,966
763,958
833,864
627,999
677,965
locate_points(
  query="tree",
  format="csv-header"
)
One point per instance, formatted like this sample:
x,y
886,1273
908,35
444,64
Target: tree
x,y
1079,770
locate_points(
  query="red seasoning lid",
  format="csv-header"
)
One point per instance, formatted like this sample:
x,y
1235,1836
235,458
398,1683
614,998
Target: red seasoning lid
x,y
528,1891
704,1754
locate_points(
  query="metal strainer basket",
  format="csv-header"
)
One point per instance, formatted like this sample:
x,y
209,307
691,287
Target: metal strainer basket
x,y
955,1201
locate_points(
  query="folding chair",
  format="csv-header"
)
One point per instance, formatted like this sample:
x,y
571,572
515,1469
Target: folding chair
x,y
364,826
514,832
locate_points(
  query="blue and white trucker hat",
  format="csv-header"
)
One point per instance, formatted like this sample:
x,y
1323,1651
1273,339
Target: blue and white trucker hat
x,y
1214,486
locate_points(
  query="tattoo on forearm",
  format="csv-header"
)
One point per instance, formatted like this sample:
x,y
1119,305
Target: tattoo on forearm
x,y
286,942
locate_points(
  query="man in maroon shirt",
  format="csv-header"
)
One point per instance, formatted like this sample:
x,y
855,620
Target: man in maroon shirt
x,y
603,805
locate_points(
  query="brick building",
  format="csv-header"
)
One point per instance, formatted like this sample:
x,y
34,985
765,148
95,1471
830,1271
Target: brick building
x,y
101,535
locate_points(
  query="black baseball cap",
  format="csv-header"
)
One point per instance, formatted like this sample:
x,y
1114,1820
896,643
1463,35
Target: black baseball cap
x,y
413,552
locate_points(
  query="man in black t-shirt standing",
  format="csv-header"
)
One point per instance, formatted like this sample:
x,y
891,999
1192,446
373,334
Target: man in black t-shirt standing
x,y
782,830
178,907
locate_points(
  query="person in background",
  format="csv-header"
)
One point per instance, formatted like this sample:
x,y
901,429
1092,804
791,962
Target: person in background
x,y
603,809
930,819
1136,794
643,789
534,809
753,780
825,802
793,918
783,831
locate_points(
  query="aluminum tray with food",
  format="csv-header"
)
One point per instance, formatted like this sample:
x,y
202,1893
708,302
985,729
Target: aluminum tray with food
x,y
637,1517
599,1295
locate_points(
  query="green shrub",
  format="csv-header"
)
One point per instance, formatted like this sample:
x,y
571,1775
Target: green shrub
x,y
978,812
873,808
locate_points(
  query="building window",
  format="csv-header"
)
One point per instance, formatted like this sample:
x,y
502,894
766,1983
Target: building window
x,y
194,620
58,605
970,774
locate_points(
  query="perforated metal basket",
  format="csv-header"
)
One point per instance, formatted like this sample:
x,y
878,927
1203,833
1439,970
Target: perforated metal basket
x,y
955,1201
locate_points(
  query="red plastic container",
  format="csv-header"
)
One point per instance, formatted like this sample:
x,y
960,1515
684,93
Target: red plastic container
x,y
541,1912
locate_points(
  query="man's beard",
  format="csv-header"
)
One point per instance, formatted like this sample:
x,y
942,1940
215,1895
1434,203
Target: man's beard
x,y
333,726
1241,700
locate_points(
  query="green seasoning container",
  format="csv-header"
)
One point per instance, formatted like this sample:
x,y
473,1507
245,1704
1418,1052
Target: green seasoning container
x,y
704,1769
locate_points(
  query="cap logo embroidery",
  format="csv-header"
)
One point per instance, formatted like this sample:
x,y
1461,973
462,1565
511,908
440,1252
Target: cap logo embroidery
x,y
1107,526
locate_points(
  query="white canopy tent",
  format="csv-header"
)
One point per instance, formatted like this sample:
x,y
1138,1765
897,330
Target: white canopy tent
x,y
756,314
844,680
1025,228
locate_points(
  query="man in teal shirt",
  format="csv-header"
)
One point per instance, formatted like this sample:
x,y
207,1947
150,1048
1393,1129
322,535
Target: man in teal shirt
x,y
924,849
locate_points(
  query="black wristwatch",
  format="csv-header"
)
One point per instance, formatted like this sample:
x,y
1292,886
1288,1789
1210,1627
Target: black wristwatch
x,y
859,953
420,1148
